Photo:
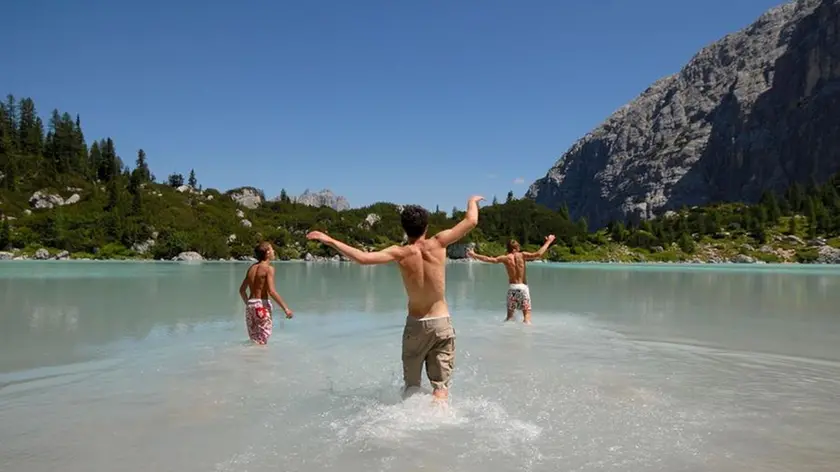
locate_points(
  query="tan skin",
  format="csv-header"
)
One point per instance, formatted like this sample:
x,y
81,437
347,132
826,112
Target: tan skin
x,y
259,279
422,264
514,263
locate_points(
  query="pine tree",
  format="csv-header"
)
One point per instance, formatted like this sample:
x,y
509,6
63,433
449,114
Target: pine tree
x,y
617,231
686,243
495,200
12,120
81,148
135,189
792,225
509,197
8,157
284,197
771,205
582,225
141,168
796,197
5,234
31,134
110,165
564,211
175,180
811,215
94,161
192,182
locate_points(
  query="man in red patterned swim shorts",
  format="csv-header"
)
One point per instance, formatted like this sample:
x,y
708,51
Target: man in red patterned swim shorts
x,y
260,280
518,294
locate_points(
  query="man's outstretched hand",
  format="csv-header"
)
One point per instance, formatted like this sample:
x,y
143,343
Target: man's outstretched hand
x,y
476,198
550,238
318,236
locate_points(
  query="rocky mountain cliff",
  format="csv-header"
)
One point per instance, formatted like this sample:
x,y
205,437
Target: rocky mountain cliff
x,y
323,198
757,110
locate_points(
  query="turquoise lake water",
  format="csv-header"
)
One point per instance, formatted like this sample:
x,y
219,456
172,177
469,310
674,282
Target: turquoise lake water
x,y
146,366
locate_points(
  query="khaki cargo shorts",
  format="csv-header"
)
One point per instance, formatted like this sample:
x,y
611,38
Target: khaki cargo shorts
x,y
429,341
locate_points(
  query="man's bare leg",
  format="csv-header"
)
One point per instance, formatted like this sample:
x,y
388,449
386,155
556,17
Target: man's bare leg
x,y
526,316
441,395
510,314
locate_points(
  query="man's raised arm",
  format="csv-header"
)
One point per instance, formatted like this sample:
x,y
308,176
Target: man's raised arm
x,y
384,256
536,255
470,221
482,258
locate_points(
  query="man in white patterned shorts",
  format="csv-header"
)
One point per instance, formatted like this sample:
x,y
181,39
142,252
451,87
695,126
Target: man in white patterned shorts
x,y
518,294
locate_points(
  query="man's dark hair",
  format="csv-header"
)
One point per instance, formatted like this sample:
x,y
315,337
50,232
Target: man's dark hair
x,y
512,246
261,251
415,220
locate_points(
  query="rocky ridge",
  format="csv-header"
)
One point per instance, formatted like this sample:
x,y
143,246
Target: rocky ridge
x,y
325,198
755,110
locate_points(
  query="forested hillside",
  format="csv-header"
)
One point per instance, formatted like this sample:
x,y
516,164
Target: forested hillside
x,y
65,192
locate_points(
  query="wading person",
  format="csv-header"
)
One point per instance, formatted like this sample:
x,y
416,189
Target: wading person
x,y
428,336
518,294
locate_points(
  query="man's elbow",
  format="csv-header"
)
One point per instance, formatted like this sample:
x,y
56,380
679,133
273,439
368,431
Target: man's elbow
x,y
471,220
363,258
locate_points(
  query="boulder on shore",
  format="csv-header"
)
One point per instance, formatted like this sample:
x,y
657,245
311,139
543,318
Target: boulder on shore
x,y
189,256
459,250
828,255
42,254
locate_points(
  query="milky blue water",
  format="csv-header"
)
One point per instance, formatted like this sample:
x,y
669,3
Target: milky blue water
x,y
146,366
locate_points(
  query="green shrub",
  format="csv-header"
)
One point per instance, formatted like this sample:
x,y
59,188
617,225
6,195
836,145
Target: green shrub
x,y
806,256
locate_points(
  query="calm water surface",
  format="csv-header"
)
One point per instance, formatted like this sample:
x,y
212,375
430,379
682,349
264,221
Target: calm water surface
x,y
145,366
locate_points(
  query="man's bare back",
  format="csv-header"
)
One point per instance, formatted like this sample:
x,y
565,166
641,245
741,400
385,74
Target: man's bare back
x,y
422,266
257,280
255,290
515,266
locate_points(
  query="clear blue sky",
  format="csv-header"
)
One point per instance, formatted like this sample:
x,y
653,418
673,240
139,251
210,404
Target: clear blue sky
x,y
411,102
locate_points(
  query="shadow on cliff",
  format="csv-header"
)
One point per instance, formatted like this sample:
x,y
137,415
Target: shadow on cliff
x,y
578,180
790,134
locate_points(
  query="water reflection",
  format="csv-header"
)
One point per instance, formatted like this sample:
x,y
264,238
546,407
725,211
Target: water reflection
x,y
65,306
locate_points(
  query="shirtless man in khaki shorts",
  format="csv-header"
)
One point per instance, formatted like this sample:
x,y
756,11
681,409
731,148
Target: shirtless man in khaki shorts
x,y
428,337
518,295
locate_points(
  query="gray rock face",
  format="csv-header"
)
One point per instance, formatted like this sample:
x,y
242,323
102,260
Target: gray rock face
x,y
42,200
370,220
828,255
753,111
42,254
459,250
247,197
323,198
6,256
63,255
144,247
743,259
189,256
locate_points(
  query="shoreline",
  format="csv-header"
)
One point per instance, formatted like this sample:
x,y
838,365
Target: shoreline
x,y
448,261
